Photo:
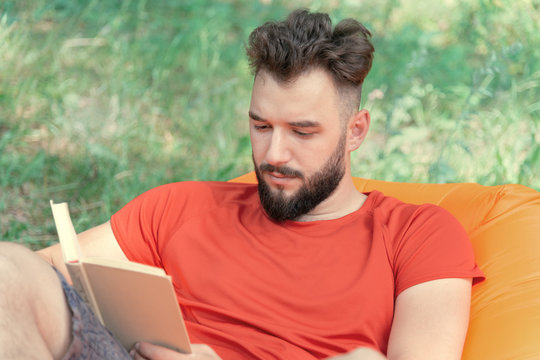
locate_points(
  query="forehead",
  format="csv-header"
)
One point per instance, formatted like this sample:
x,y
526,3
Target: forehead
x,y
312,95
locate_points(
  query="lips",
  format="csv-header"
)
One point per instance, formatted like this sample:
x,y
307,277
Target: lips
x,y
279,175
279,179
279,171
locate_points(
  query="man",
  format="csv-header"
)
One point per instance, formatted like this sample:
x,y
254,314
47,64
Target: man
x,y
300,266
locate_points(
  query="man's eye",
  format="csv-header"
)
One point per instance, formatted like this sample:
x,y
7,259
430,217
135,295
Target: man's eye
x,y
261,127
302,133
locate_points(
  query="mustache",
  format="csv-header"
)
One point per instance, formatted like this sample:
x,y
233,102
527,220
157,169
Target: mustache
x,y
283,170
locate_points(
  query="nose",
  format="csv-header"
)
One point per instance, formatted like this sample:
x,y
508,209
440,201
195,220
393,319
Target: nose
x,y
278,152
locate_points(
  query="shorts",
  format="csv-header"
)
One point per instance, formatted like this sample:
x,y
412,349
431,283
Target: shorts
x,y
90,339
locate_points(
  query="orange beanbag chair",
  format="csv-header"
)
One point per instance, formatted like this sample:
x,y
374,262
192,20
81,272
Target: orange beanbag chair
x,y
503,223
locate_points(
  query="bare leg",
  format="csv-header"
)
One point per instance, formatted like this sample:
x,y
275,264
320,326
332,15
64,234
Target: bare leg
x,y
35,321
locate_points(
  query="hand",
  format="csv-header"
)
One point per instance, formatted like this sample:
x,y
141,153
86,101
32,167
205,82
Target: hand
x,y
147,351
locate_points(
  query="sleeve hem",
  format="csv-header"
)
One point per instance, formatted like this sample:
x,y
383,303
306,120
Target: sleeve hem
x,y
477,277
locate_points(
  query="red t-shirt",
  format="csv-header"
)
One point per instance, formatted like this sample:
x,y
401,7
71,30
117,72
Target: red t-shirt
x,y
251,288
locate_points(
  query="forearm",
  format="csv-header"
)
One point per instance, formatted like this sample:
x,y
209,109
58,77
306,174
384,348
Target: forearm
x,y
362,353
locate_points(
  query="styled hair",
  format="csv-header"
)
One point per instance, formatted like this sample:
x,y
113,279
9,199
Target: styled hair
x,y
305,41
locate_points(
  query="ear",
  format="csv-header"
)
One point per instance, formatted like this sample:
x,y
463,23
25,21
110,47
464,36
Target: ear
x,y
357,129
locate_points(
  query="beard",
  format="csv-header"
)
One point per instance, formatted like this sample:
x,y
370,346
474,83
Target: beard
x,y
315,189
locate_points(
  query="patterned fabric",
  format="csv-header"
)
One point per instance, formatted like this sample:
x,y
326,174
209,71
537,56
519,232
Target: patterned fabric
x,y
90,339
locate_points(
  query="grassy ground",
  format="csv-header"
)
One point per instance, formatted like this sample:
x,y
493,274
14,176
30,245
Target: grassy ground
x,y
102,100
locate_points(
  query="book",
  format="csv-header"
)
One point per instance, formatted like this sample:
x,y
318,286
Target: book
x,y
135,302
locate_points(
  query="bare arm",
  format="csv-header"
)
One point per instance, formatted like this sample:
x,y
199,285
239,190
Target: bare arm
x,y
97,241
363,353
431,320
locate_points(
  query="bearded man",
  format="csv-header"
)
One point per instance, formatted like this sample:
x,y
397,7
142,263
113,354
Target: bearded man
x,y
299,266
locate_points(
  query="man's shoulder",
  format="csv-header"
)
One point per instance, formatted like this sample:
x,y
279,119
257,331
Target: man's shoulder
x,y
389,208
175,201
218,191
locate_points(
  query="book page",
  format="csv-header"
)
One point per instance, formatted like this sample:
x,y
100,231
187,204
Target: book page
x,y
66,232
81,285
71,252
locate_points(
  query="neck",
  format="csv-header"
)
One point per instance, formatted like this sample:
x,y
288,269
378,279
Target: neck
x,y
344,200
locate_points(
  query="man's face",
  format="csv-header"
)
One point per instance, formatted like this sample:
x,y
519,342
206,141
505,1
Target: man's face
x,y
298,143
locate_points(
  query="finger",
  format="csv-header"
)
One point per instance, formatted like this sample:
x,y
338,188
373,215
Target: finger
x,y
138,356
135,355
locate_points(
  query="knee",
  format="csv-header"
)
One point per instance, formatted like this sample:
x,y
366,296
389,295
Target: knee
x,y
11,253
31,299
17,263
24,276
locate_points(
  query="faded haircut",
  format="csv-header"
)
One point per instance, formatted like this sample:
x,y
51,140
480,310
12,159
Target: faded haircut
x,y
306,41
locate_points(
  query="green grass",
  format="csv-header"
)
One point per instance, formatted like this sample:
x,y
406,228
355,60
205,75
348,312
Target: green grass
x,y
102,100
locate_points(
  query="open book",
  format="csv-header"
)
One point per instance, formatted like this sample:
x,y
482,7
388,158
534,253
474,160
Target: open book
x,y
135,302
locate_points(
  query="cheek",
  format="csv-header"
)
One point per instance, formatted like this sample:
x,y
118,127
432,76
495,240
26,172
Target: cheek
x,y
257,146
314,158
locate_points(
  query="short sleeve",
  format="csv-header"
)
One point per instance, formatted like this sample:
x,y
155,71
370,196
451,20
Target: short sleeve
x,y
138,226
432,245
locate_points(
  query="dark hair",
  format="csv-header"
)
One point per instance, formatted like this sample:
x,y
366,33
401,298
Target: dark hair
x,y
305,41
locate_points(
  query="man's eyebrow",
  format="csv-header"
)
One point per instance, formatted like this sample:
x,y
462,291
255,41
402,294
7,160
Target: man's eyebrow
x,y
300,123
255,116
305,124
